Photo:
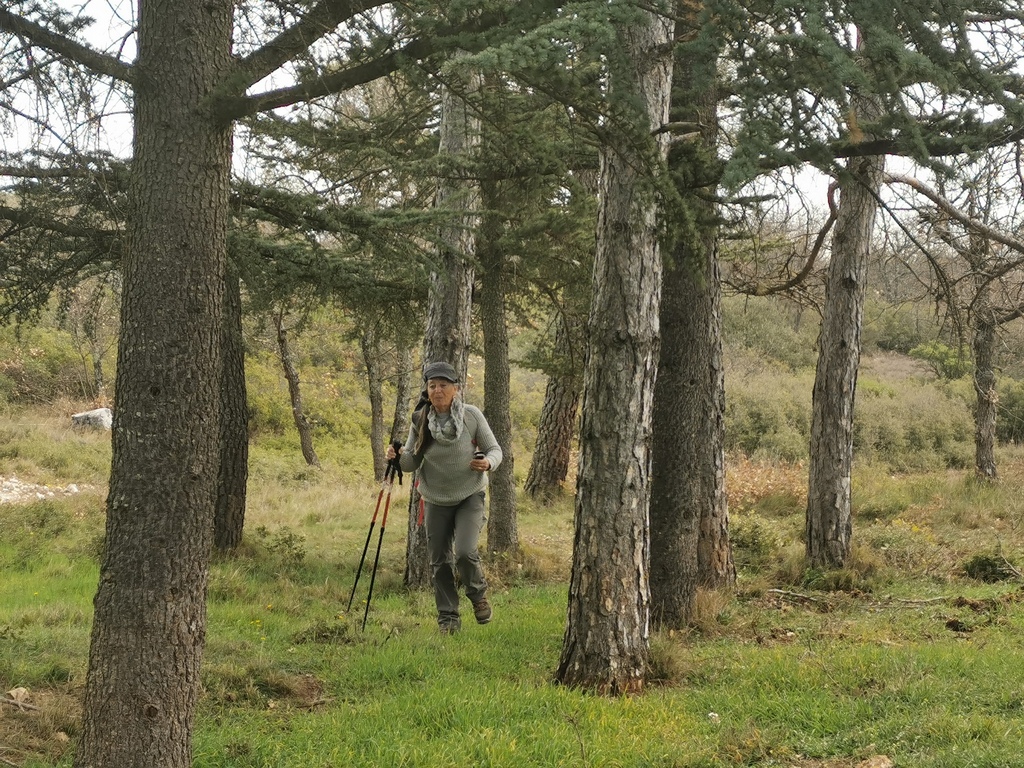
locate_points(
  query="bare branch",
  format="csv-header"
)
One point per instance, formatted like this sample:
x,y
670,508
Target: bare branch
x,y
955,213
337,82
320,21
99,63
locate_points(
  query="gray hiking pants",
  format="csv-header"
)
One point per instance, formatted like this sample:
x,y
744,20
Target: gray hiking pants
x,y
453,536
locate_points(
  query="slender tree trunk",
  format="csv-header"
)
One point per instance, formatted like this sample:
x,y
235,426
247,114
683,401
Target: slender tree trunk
x,y
229,515
403,393
986,406
98,381
502,522
149,622
689,513
557,427
291,375
606,643
370,346
828,521
451,286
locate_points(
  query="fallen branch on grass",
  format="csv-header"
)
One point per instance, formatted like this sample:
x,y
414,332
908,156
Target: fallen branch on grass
x,y
1010,568
798,596
922,601
18,704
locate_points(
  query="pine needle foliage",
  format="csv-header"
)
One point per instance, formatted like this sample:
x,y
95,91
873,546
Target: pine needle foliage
x,y
944,71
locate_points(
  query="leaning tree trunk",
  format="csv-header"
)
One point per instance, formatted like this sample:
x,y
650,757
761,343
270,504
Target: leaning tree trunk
x,y
828,521
606,643
291,375
229,514
451,286
502,522
557,426
370,347
986,404
689,513
149,622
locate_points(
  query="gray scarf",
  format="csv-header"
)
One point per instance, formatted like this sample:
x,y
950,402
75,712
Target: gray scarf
x,y
452,428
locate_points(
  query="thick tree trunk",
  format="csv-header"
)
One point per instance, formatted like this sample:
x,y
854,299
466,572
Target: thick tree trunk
x,y
986,406
828,521
606,643
502,521
149,623
370,347
291,375
229,516
689,513
557,427
451,286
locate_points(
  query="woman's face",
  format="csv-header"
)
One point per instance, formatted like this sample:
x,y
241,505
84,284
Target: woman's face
x,y
441,393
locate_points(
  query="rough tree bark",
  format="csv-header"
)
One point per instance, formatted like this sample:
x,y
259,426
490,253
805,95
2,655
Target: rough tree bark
x,y
829,524
139,704
502,521
557,427
229,515
689,513
451,287
607,638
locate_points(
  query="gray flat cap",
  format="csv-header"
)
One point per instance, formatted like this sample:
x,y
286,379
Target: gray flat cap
x,y
439,371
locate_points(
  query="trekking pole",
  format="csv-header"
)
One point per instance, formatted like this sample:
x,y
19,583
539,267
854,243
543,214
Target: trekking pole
x,y
389,473
380,539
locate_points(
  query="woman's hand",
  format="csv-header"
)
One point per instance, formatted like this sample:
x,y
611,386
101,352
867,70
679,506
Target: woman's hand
x,y
480,463
390,453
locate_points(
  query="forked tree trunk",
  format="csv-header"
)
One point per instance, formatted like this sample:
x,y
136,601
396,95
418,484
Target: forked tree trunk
x,y
291,375
229,516
829,524
451,286
606,643
689,514
149,622
557,427
502,520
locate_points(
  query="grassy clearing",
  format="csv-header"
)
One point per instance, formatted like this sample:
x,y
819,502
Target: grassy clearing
x,y
903,656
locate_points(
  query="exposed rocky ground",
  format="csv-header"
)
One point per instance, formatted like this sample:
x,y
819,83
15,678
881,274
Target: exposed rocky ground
x,y
14,491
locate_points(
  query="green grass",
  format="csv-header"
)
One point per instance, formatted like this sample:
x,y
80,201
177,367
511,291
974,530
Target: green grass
x,y
913,660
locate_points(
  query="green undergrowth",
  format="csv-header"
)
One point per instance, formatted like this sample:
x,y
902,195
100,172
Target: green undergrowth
x,y
911,652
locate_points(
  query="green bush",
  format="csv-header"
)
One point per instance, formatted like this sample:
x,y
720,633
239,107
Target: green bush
x,y
771,329
897,328
947,362
918,425
768,411
755,541
39,364
1010,422
990,567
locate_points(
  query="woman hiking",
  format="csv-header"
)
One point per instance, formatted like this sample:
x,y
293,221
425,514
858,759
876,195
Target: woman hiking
x,y
452,447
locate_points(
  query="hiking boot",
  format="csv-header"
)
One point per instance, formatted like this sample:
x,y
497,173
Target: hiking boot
x,y
449,627
482,611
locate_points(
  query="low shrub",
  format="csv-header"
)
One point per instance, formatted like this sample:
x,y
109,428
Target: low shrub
x,y
990,567
756,542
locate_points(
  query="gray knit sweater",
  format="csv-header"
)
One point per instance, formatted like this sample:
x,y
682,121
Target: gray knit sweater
x,y
445,477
